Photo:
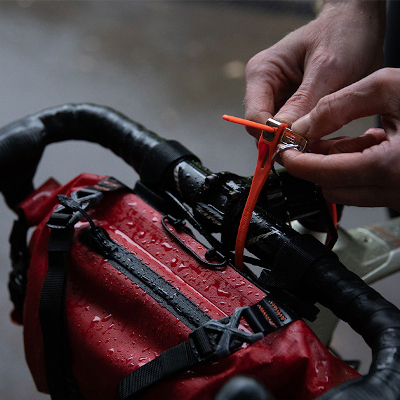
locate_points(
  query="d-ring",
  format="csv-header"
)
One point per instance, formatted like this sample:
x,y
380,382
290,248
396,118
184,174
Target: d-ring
x,y
285,147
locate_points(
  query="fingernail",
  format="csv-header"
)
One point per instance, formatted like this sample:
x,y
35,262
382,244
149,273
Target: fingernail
x,y
285,117
302,125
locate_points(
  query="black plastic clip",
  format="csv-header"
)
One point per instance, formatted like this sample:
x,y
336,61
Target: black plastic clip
x,y
220,338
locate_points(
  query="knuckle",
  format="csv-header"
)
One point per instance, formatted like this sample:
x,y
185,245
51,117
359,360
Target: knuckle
x,y
329,63
257,65
380,81
328,110
384,84
325,107
380,163
302,99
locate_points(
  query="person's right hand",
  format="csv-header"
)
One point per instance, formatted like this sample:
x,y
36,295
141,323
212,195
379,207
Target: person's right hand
x,y
359,171
343,44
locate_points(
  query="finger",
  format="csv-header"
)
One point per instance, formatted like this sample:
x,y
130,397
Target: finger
x,y
323,146
365,196
259,100
258,105
358,144
334,170
345,144
272,76
375,94
379,133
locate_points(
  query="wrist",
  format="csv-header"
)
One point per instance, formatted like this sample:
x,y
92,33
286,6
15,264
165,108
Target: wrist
x,y
373,10
372,5
367,16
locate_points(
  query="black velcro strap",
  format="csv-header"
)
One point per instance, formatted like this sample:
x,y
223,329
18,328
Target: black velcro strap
x,y
60,380
214,340
160,159
170,363
20,263
52,318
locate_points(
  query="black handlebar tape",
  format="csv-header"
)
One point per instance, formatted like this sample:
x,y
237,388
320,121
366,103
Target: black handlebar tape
x,y
369,314
22,142
158,163
377,320
20,153
326,280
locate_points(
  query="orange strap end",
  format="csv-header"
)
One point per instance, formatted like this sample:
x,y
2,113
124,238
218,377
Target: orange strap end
x,y
266,150
248,123
333,211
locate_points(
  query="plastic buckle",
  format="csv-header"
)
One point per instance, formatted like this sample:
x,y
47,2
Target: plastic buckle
x,y
60,220
287,136
68,213
230,337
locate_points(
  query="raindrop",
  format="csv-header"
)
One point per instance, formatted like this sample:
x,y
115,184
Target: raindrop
x,y
223,292
174,262
94,321
106,318
166,246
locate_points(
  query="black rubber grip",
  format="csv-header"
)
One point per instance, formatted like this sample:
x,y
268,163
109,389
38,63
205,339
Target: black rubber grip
x,y
161,159
22,142
331,284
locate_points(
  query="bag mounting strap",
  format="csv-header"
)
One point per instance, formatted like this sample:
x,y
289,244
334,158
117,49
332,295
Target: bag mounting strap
x,y
214,340
60,380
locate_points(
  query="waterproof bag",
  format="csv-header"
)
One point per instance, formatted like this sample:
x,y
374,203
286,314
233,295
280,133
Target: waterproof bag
x,y
115,299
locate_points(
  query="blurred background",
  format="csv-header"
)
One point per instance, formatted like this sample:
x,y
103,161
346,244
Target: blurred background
x,y
174,66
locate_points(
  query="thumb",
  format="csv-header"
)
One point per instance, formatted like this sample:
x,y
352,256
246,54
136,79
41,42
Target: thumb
x,y
375,94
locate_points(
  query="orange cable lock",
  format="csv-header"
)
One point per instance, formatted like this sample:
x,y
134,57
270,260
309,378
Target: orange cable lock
x,y
268,142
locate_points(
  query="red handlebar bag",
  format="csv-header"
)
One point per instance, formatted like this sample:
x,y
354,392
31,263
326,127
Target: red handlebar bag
x,y
114,308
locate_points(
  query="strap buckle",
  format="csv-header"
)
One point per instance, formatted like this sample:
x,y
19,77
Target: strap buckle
x,y
220,338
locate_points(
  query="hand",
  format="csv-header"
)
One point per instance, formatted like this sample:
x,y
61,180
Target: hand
x,y
361,171
341,46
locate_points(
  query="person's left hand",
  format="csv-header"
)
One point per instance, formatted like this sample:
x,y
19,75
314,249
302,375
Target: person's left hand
x,y
361,171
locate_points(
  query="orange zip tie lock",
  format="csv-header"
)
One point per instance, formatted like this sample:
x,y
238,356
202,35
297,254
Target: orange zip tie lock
x,y
274,133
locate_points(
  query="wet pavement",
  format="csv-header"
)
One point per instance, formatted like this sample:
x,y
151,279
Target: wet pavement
x,y
175,67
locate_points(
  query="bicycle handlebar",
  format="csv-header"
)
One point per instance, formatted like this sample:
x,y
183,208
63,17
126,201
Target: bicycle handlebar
x,y
298,263
22,142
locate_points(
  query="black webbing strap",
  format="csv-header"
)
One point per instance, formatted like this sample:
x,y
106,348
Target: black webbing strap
x,y
52,317
214,340
170,363
19,255
60,380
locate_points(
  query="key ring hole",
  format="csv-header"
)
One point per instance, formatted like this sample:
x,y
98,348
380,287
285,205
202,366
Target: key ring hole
x,y
285,147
